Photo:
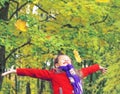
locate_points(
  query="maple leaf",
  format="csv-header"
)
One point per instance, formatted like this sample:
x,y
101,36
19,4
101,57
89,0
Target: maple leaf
x,y
21,25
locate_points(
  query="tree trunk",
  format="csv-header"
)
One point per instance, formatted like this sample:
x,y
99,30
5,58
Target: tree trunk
x,y
28,90
42,85
3,16
2,63
4,11
16,85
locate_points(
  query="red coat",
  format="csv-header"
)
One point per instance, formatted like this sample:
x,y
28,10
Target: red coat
x,y
60,82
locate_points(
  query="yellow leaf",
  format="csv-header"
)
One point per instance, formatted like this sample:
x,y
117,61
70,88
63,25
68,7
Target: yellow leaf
x,y
77,56
36,1
103,1
21,25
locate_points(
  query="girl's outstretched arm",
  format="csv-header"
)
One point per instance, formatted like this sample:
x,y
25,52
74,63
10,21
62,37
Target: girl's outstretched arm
x,y
92,69
35,73
8,72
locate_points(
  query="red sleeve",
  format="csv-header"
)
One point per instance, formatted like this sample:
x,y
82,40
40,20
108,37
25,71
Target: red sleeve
x,y
36,73
89,70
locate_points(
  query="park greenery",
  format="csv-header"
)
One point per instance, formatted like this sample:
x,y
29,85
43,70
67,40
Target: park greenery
x,y
33,32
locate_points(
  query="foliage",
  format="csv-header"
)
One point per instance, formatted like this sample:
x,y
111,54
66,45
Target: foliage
x,y
2,2
36,30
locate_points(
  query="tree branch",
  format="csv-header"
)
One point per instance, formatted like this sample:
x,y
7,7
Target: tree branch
x,y
41,8
68,25
45,12
15,49
96,22
18,9
71,26
64,1
103,20
16,6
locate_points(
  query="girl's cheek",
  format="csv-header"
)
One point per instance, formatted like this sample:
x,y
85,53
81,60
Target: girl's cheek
x,y
69,62
62,61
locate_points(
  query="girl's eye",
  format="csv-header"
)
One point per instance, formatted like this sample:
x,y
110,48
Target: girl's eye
x,y
61,59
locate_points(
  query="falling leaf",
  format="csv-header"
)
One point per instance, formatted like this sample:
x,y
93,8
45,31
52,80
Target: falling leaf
x,y
21,25
77,56
103,1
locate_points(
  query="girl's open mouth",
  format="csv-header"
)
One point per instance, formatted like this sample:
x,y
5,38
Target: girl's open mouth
x,y
65,63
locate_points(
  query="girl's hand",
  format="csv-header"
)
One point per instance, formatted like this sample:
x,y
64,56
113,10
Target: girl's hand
x,y
12,70
8,72
103,69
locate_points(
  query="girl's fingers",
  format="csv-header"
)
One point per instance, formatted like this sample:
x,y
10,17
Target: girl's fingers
x,y
6,73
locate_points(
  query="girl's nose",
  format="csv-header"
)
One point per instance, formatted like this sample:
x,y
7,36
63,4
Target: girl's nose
x,y
66,60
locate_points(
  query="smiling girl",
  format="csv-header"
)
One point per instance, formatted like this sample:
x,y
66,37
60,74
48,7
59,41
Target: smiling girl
x,y
64,78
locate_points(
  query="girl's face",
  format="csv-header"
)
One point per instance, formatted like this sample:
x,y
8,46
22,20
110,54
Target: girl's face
x,y
63,60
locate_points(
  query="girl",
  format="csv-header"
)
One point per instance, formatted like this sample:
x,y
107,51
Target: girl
x,y
64,78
